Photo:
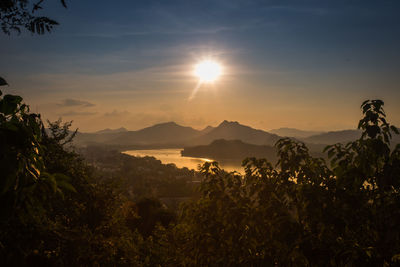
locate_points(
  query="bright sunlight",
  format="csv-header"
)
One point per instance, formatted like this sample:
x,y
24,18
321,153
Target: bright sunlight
x,y
208,71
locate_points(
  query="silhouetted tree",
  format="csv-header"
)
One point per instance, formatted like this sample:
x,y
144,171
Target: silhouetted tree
x,y
303,212
21,14
146,214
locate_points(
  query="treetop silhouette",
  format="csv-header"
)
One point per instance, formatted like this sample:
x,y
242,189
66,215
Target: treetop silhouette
x,y
16,15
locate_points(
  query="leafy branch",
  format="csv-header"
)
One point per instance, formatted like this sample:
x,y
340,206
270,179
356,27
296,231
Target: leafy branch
x,y
16,15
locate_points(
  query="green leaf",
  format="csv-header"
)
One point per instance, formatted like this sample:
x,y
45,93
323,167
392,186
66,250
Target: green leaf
x,y
8,183
9,104
365,102
63,3
63,182
2,82
394,129
331,153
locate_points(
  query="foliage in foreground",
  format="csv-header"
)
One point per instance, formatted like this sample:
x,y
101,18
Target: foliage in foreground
x,y
58,211
17,15
304,212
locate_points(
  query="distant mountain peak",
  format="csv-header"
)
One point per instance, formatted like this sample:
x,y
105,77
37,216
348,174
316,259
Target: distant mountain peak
x,y
168,127
169,123
207,129
108,130
229,123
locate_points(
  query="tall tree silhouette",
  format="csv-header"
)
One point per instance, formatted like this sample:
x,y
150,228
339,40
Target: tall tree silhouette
x,y
16,15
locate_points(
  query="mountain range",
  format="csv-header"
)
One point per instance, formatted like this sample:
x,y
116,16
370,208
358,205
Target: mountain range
x,y
170,134
292,132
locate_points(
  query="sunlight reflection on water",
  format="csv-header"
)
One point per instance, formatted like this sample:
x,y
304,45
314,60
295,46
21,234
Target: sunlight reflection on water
x,y
167,156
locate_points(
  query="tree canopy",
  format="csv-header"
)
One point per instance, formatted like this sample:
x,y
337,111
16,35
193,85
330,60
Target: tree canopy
x,y
16,15
303,212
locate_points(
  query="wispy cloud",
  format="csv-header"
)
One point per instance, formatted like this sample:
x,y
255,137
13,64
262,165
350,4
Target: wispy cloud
x,y
116,113
74,102
77,113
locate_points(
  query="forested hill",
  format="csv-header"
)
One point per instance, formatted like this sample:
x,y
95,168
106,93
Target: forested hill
x,y
232,150
232,130
235,151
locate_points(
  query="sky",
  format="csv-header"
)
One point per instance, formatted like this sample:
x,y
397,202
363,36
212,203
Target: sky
x,y
301,64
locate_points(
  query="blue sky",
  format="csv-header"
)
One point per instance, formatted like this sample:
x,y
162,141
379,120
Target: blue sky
x,y
305,64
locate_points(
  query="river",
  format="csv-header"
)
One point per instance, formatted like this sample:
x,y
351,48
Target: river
x,y
167,156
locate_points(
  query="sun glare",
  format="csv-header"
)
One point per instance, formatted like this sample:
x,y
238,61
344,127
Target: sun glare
x,y
208,71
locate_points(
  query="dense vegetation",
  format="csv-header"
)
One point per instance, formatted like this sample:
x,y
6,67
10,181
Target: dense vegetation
x,y
59,209
304,212
56,210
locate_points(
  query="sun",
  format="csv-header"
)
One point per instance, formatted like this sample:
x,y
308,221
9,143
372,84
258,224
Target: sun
x,y
208,71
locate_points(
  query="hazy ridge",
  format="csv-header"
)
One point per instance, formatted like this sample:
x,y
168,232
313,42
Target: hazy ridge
x,y
293,132
248,141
